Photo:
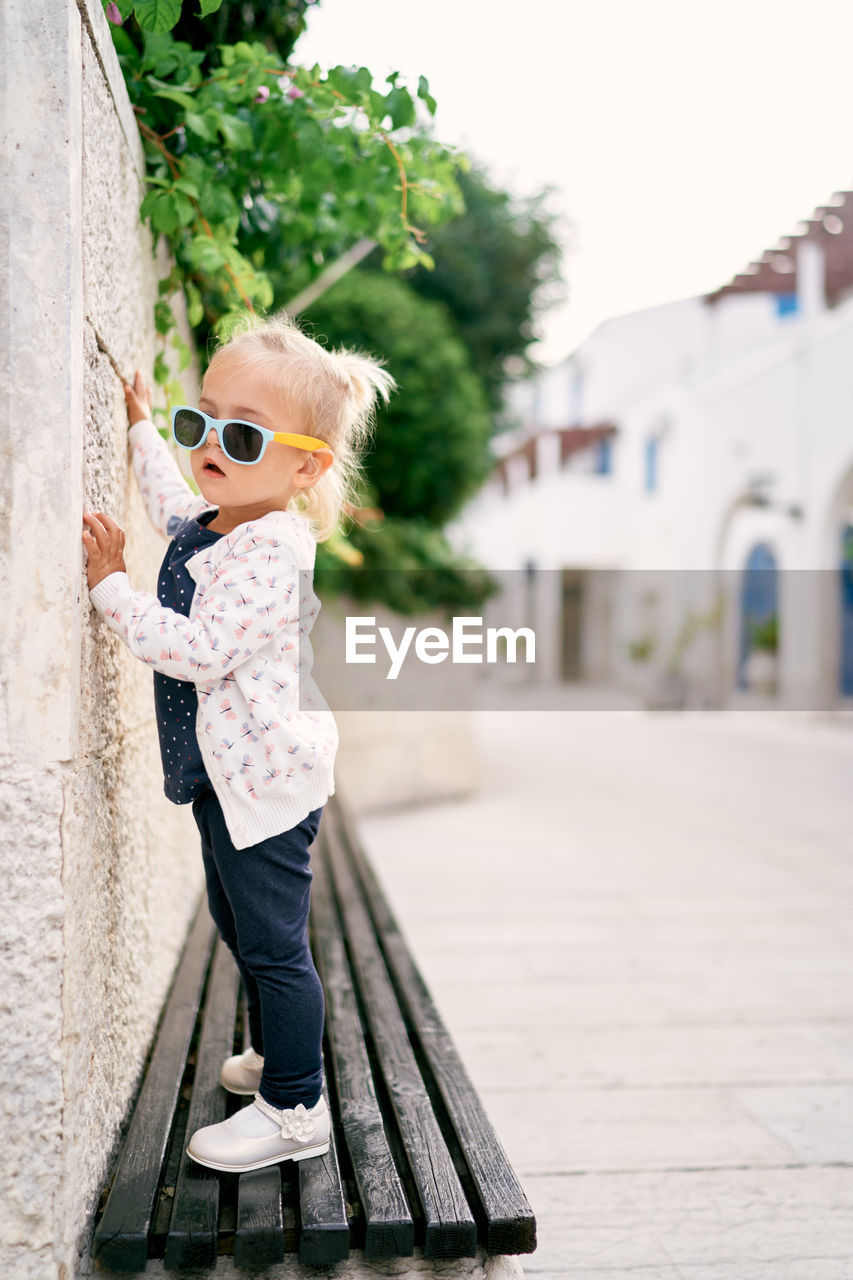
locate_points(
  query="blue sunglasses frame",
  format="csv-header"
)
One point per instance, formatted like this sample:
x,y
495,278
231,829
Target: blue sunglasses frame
x,y
220,425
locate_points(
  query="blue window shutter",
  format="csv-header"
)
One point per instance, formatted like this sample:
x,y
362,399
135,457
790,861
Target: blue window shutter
x,y
759,599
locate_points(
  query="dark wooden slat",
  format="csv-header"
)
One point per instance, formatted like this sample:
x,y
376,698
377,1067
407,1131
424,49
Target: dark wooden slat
x,y
510,1223
259,1233
121,1237
450,1230
193,1229
389,1227
324,1235
259,1237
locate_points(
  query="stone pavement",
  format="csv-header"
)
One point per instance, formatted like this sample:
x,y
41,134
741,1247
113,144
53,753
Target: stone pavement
x,y
639,932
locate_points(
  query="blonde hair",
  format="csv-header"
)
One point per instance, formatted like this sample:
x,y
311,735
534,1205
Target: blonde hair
x,y
333,395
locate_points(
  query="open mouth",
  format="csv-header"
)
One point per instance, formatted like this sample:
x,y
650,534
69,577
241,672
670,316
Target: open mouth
x,y
210,468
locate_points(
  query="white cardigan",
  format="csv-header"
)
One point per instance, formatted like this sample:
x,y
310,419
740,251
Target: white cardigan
x,y
267,737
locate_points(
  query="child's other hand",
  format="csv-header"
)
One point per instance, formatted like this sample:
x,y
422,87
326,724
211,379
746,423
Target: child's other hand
x,y
104,541
138,399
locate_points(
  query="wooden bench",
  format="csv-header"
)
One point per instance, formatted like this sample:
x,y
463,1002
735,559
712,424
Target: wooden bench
x,y
414,1160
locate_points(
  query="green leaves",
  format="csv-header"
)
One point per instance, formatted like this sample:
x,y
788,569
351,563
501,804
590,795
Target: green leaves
x,y
203,127
236,133
195,306
353,82
160,56
172,95
410,566
161,15
496,267
261,174
157,15
168,210
205,254
425,95
400,108
431,446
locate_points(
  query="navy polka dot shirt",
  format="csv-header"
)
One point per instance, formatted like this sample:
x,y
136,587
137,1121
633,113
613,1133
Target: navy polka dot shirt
x,y
176,701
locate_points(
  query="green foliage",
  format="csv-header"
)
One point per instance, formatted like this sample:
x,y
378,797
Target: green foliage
x,y
641,649
278,25
259,175
496,267
765,635
430,449
692,625
158,15
218,22
408,564
258,172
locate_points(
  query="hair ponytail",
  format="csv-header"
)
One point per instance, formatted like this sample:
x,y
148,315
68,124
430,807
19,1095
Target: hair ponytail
x,y
370,381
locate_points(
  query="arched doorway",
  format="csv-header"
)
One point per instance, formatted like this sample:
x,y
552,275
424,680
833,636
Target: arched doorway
x,y
759,601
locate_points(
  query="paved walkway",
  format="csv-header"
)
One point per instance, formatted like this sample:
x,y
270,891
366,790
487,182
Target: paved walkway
x,y
640,933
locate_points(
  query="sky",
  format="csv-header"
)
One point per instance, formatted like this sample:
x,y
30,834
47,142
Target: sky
x,y
682,140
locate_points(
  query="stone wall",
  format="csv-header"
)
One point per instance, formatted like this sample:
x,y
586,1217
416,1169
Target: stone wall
x,y
101,873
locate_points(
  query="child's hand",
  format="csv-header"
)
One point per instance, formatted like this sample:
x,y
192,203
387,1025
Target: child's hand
x,y
104,541
138,399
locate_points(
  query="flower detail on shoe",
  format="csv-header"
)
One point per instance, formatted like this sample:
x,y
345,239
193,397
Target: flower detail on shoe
x,y
295,1122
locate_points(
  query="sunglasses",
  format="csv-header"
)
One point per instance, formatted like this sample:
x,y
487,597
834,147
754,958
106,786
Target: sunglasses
x,y
243,442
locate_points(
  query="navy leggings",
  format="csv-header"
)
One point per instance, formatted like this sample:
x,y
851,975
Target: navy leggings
x,y
259,899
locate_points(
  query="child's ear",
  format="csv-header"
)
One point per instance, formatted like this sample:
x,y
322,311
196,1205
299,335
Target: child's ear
x,y
315,465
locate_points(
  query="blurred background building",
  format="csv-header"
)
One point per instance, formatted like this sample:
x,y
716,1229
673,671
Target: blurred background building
x,y
679,494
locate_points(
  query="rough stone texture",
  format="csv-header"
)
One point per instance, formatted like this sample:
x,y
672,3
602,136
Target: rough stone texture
x,y
102,874
30,1020
42,376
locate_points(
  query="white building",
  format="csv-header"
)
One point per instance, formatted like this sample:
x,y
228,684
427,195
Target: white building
x,y
687,475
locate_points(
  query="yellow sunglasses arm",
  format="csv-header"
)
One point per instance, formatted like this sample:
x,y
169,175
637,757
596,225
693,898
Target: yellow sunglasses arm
x,y
300,442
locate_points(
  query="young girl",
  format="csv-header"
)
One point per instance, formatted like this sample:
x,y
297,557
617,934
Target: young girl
x,y
245,735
